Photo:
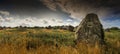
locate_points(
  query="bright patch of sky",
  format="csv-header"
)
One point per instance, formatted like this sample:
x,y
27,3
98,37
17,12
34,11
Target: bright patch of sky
x,y
13,21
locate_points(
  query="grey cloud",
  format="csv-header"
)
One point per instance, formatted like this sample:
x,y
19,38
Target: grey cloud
x,y
24,24
5,16
29,19
1,19
8,19
45,22
60,21
78,8
6,13
53,20
69,20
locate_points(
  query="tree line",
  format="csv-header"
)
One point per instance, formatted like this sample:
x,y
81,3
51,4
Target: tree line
x,y
63,27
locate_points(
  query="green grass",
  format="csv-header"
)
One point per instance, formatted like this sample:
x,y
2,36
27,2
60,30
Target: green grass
x,y
60,36
44,36
38,37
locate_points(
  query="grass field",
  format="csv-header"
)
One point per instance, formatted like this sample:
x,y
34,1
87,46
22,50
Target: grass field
x,y
53,41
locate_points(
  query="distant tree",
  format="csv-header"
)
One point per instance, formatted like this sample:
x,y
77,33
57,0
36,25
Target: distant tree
x,y
64,27
36,27
49,27
107,30
4,27
8,27
21,28
71,28
55,27
25,27
1,27
114,28
41,27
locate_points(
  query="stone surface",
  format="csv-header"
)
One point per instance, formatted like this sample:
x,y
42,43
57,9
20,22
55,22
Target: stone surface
x,y
90,30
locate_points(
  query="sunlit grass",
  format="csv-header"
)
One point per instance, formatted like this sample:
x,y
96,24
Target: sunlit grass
x,y
50,41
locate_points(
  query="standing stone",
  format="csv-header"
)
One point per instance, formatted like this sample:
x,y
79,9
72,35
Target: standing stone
x,y
90,30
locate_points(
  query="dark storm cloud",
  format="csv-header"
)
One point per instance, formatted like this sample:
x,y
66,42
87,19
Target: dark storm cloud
x,y
79,8
23,7
76,8
61,12
34,8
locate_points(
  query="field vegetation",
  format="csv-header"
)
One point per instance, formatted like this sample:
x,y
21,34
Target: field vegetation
x,y
53,41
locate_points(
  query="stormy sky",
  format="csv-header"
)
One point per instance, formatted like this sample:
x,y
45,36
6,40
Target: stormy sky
x,y
57,12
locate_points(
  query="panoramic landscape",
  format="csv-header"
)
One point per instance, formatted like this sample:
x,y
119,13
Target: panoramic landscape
x,y
59,27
